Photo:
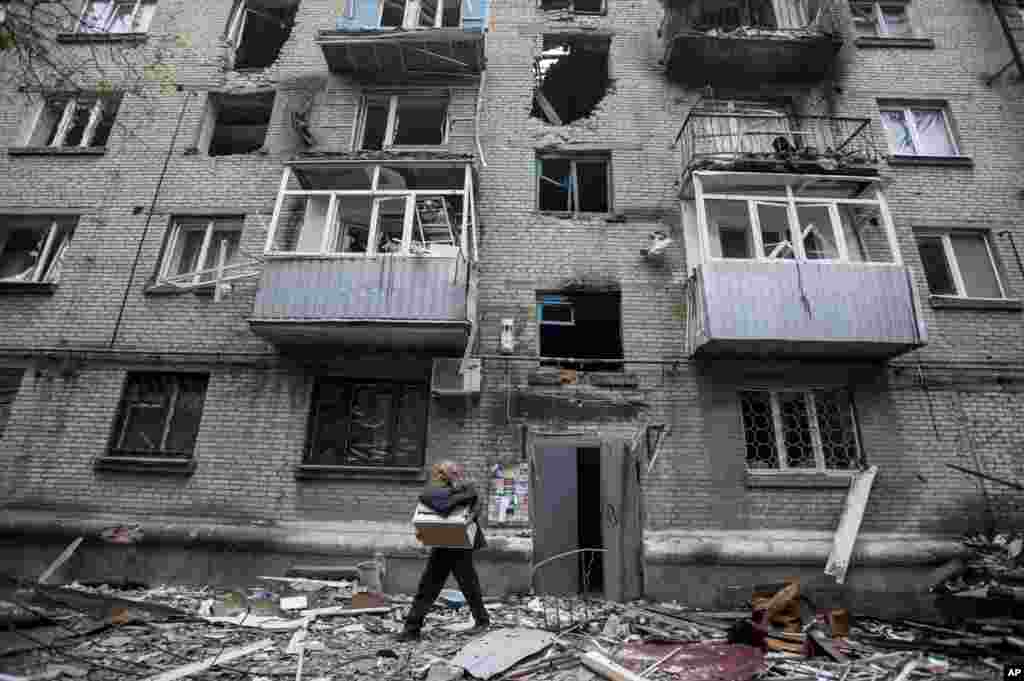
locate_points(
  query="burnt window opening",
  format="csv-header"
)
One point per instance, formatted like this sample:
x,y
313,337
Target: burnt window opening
x,y
574,184
583,326
728,15
258,29
575,6
571,78
239,122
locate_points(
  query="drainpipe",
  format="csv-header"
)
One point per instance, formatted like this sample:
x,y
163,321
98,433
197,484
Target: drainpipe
x,y
1014,47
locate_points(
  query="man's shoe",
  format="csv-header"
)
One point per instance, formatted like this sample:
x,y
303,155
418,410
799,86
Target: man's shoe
x,y
408,635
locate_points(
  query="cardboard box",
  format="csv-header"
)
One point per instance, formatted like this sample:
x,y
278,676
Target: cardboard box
x,y
457,530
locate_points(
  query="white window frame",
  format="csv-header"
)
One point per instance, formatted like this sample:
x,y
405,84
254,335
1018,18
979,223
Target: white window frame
x,y
813,427
574,197
135,15
788,197
375,192
878,17
43,273
954,265
411,17
212,224
392,122
908,112
566,302
570,6
64,125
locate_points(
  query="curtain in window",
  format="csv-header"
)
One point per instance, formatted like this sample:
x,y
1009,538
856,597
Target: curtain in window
x,y
898,130
975,266
932,133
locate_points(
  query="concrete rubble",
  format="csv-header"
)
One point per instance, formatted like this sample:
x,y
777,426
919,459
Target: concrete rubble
x,y
102,633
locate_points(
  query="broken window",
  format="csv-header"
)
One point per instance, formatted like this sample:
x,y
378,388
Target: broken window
x,y
581,326
574,184
159,415
198,246
419,120
116,16
919,131
412,14
576,6
960,263
258,29
728,15
239,122
571,77
75,121
10,381
32,247
377,424
881,19
810,430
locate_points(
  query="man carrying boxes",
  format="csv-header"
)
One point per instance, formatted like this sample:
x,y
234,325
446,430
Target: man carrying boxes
x,y
446,520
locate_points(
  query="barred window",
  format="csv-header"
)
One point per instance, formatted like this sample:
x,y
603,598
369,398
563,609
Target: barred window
x,y
159,415
811,430
368,424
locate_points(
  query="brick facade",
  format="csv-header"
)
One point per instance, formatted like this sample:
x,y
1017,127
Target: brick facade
x,y
957,400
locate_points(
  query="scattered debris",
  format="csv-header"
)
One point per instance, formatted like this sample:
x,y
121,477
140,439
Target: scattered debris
x,y
61,559
220,659
497,651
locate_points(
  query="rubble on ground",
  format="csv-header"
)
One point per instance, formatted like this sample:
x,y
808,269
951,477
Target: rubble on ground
x,y
166,633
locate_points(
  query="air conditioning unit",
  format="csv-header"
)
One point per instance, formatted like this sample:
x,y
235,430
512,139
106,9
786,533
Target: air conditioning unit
x,y
446,379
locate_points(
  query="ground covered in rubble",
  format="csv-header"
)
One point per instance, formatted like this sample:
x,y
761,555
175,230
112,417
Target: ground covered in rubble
x,y
317,630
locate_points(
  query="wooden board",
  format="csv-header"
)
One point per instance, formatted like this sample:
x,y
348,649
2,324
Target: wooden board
x,y
849,524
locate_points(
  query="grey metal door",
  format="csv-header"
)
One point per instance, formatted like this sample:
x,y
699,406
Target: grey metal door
x,y
555,518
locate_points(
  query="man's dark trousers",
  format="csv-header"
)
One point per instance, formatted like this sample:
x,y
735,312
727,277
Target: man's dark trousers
x,y
443,562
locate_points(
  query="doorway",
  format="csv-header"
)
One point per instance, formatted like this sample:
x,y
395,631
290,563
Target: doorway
x,y
589,513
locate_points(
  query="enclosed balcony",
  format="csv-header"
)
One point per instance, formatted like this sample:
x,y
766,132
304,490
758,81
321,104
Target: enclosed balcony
x,y
367,255
777,142
394,40
802,267
745,42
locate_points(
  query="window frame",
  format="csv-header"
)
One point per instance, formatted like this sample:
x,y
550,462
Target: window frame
x,y
64,123
570,6
814,429
398,388
907,109
411,15
235,223
106,31
574,199
119,428
55,246
956,275
878,19
391,124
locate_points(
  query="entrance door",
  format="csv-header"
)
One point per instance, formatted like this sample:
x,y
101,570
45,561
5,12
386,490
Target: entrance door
x,y
555,510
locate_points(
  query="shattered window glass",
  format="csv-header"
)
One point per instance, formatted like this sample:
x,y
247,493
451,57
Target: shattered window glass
x,y
159,415
898,129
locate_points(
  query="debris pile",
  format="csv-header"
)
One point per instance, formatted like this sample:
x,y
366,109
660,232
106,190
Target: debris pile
x,y
994,568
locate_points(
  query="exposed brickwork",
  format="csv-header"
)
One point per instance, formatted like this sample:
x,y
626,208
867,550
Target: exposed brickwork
x,y
254,425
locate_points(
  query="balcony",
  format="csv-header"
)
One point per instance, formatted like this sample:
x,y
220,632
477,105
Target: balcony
x,y
777,143
401,39
370,256
746,42
808,267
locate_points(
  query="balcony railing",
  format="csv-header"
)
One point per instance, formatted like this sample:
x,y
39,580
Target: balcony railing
x,y
816,144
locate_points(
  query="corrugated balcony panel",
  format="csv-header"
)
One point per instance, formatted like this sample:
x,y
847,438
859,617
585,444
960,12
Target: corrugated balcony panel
x,y
804,309
386,300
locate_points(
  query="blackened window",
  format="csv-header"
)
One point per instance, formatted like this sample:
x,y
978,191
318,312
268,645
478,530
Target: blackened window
x,y
581,326
10,381
159,415
377,424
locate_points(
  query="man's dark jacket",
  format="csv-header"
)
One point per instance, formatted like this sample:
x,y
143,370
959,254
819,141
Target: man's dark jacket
x,y
444,499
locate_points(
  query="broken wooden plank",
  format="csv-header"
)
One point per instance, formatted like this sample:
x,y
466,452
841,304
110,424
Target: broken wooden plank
x,y
224,657
600,664
546,108
61,559
849,524
343,610
302,581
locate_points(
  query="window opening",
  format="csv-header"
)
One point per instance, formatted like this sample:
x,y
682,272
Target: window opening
x,y
728,15
418,14
919,132
116,16
259,29
960,264
571,78
884,20
240,123
78,121
10,382
404,120
581,326
197,245
573,184
159,415
32,248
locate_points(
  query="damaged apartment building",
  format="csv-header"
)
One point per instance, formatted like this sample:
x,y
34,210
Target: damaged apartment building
x,y
665,277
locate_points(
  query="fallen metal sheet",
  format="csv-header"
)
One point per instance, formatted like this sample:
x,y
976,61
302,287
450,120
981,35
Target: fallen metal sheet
x,y
697,661
492,654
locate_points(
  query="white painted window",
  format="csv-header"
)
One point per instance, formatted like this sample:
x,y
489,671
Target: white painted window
x,y
961,264
32,247
418,14
882,19
80,121
799,430
406,120
116,16
919,131
198,246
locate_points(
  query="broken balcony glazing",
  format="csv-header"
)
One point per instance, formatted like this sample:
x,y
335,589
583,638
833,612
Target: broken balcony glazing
x,y
362,243
748,41
796,265
395,39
